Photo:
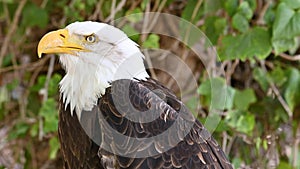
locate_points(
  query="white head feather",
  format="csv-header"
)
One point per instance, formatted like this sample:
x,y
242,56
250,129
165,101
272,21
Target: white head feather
x,y
113,56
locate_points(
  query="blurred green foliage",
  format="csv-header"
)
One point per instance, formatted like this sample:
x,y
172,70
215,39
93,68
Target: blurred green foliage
x,y
259,98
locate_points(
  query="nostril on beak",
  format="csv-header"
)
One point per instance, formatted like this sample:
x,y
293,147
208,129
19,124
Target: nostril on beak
x,y
63,36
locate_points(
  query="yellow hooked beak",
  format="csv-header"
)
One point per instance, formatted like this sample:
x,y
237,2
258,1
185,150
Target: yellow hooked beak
x,y
59,41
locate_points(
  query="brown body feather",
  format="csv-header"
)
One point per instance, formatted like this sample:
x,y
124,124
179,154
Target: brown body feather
x,y
196,150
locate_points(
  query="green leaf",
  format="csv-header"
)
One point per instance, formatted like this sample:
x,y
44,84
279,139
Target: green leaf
x,y
19,131
241,121
212,121
278,75
240,22
246,123
12,85
192,105
261,77
255,42
205,87
151,42
4,95
53,84
292,91
258,143
214,27
54,147
34,16
252,4
34,130
39,84
49,112
281,115
284,14
7,60
284,165
131,32
269,16
143,4
222,126
8,1
294,49
48,108
188,11
285,28
134,15
231,6
12,7
91,2
190,34
237,162
230,97
282,45
294,4
243,99
265,144
212,6
232,117
245,10
218,94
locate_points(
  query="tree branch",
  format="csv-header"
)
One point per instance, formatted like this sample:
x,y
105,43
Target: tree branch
x,y
11,31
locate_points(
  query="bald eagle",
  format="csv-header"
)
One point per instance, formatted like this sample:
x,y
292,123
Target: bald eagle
x,y
113,115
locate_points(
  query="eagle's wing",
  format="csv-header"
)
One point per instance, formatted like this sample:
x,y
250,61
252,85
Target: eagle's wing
x,y
144,125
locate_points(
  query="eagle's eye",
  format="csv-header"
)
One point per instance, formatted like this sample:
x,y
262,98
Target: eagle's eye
x,y
90,38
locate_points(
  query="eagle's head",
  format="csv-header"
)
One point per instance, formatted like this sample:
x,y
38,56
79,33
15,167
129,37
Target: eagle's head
x,y
93,54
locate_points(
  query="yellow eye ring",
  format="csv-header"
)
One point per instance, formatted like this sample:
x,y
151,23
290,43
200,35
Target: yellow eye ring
x,y
90,38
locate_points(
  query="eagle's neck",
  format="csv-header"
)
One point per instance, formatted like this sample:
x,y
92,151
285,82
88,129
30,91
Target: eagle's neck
x,y
85,82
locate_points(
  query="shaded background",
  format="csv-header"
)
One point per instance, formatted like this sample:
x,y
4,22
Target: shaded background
x,y
258,46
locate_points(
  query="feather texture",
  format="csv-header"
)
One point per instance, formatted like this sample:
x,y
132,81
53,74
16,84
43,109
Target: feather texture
x,y
116,110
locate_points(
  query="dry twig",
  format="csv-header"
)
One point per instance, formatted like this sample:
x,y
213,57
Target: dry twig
x,y
154,19
188,31
276,91
288,57
145,23
12,30
185,54
28,67
97,12
150,65
260,20
231,70
114,10
45,94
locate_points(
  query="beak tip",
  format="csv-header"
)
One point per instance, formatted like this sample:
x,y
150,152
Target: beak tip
x,y
39,52
40,49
